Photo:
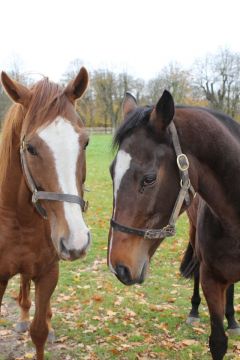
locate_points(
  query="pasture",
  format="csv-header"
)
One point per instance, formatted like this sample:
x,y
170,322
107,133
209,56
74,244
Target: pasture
x,y
96,317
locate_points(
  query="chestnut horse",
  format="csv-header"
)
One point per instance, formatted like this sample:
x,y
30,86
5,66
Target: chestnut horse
x,y
187,271
43,170
163,154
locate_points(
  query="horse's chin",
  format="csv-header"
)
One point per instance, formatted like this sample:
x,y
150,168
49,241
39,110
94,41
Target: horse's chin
x,y
135,280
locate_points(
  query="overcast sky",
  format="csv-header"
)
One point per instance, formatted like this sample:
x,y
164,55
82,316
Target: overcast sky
x,y
137,36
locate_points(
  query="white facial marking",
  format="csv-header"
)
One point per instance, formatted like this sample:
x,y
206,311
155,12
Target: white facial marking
x,y
63,141
122,165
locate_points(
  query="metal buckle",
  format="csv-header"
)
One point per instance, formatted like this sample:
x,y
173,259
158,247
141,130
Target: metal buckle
x,y
151,234
169,230
182,158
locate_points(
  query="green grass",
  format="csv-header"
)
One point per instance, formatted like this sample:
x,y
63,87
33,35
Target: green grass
x,y
96,317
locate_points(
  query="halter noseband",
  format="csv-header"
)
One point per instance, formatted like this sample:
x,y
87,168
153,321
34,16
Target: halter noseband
x,y
45,195
185,184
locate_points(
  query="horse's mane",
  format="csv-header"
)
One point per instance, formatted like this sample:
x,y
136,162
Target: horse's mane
x,y
135,119
232,125
11,126
140,118
47,101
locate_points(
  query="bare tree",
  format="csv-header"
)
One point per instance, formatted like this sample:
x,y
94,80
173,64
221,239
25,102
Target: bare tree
x,y
72,71
215,79
173,78
123,83
16,72
85,105
218,78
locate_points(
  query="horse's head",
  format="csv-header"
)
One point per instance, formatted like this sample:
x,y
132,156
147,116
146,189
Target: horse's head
x,y
53,141
146,184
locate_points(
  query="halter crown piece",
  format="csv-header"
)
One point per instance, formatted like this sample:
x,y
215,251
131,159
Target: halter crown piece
x,y
45,195
185,188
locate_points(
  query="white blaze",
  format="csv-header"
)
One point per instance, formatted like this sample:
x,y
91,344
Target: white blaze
x,y
122,165
63,141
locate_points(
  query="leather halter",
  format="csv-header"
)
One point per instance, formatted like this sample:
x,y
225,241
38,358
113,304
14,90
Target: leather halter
x,y
45,195
185,184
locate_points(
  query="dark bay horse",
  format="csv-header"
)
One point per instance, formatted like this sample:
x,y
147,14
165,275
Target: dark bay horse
x,y
43,169
233,327
164,152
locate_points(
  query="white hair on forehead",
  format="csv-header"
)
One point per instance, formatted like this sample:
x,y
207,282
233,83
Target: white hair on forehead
x,y
122,165
63,141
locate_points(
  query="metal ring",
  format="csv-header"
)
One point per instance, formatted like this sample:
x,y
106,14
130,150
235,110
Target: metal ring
x,y
186,184
182,167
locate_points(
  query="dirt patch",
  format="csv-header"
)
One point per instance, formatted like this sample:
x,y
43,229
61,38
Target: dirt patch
x,y
15,346
12,344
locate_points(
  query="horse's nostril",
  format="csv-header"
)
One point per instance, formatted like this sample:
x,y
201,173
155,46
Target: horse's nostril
x,y
123,274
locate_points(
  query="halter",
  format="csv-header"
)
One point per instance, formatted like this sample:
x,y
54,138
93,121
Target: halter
x,y
185,184
45,195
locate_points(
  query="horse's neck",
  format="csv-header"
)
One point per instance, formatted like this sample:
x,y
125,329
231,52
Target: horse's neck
x,y
13,191
215,165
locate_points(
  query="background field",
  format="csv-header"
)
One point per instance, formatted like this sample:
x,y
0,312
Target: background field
x,y
96,317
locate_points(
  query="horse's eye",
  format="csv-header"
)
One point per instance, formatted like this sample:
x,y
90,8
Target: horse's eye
x,y
149,179
31,149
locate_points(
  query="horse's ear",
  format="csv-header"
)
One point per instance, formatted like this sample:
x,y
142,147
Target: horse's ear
x,y
16,91
76,88
163,112
129,103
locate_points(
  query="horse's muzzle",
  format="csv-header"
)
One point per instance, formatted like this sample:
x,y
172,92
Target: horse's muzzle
x,y
123,274
72,254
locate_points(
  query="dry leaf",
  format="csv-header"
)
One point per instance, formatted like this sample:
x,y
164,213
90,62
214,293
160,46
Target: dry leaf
x,y
97,297
189,342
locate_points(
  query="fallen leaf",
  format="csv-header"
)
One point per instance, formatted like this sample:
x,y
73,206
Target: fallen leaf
x,y
188,342
199,330
5,332
97,297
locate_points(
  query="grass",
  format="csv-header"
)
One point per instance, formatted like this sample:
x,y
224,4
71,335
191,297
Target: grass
x,y
96,317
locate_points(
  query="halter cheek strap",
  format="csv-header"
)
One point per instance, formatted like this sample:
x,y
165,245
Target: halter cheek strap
x,y
45,195
183,195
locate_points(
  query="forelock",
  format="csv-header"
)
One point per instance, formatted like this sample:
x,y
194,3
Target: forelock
x,y
134,120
